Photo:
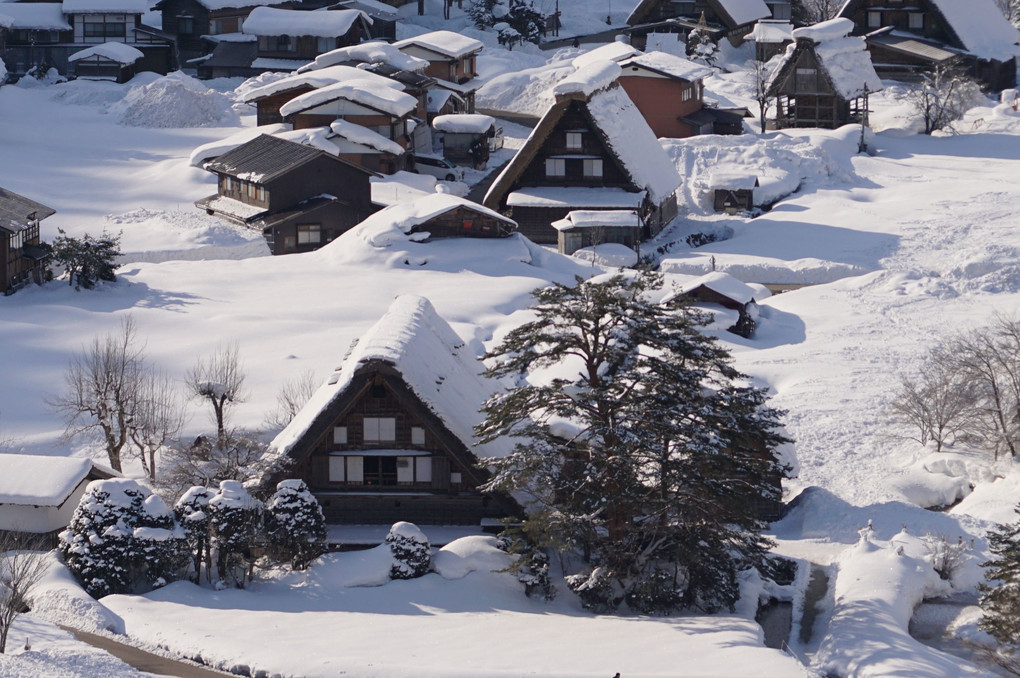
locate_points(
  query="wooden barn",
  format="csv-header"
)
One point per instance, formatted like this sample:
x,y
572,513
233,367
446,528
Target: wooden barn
x,y
110,61
922,34
591,150
436,215
451,56
38,494
823,78
390,436
384,17
366,148
300,197
589,228
22,259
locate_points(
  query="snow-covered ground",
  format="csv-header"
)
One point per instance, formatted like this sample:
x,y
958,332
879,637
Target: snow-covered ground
x,y
898,248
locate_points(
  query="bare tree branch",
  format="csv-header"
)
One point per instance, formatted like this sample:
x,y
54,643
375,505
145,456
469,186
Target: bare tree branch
x,y
219,379
22,566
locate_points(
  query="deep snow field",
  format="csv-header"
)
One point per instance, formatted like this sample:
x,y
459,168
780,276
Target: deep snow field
x,y
896,249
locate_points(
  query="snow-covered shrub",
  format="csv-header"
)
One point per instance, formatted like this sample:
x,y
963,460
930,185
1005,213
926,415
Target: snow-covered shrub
x,y
534,574
192,511
295,524
946,557
596,590
412,553
659,592
236,517
121,539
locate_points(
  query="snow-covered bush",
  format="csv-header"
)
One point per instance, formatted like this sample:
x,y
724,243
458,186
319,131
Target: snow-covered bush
x,y
516,18
295,524
121,539
412,553
531,567
659,592
192,511
596,590
946,557
236,517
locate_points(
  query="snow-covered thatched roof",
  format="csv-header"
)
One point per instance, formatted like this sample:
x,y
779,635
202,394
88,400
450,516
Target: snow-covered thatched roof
x,y
434,362
114,51
369,53
213,5
588,79
35,480
445,43
981,27
271,21
318,79
845,58
42,16
383,99
464,123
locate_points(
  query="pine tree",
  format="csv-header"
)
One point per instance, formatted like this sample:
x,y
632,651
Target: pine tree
x,y
235,526
192,511
295,524
87,259
650,456
1000,597
517,18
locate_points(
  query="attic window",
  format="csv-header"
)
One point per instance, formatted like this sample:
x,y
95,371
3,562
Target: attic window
x,y
380,429
574,141
339,435
417,435
593,167
555,167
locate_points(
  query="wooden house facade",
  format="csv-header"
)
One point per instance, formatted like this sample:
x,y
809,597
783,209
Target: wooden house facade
x,y
824,78
300,197
389,437
669,92
287,39
591,150
197,24
22,257
733,19
923,34
451,56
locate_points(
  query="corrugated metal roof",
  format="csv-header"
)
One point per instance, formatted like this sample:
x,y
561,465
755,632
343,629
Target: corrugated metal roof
x,y
263,159
16,211
912,46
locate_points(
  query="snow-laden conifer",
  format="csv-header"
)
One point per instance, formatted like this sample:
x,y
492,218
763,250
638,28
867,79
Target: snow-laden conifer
x,y
192,511
236,517
294,523
412,553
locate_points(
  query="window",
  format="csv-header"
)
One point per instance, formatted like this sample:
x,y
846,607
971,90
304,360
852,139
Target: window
x,y
339,435
228,184
916,20
355,469
405,470
593,167
285,44
874,19
555,167
309,234
289,243
417,435
336,470
326,44
380,429
216,26
185,24
104,30
380,470
574,141
455,478
423,469
806,79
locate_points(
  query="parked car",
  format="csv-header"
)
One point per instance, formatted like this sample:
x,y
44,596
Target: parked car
x,y
439,167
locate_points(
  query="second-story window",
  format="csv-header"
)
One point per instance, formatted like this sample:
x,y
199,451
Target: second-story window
x,y
555,167
593,167
575,141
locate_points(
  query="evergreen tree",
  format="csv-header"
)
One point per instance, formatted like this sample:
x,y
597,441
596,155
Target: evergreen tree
x,y
641,447
412,553
235,518
192,511
517,18
87,259
1000,597
700,46
295,524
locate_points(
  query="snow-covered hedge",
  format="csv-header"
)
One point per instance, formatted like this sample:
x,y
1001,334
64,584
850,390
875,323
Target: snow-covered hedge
x,y
412,553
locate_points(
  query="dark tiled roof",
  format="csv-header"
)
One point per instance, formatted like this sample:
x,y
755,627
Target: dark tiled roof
x,y
263,159
920,49
17,210
409,78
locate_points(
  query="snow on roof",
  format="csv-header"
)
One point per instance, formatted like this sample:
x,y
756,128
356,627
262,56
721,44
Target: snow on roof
x,y
981,27
588,79
400,187
383,99
362,135
464,123
432,359
723,283
233,4
217,148
634,143
313,137
6,21
234,208
574,196
114,51
614,51
318,79
732,177
772,31
43,16
670,64
393,223
745,11
845,58
270,63
34,480
328,24
369,53
105,6
436,98
447,43
598,218
374,9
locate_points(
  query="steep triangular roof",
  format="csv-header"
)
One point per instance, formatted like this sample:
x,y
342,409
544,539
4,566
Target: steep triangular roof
x,y
614,117
733,13
844,59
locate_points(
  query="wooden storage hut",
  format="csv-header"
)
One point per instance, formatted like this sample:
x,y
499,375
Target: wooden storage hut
x,y
732,190
465,138
22,259
109,61
589,228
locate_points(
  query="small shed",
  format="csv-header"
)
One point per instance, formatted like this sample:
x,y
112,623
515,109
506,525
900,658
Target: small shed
x,y
109,61
732,190
771,37
38,494
435,215
465,138
724,290
588,228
